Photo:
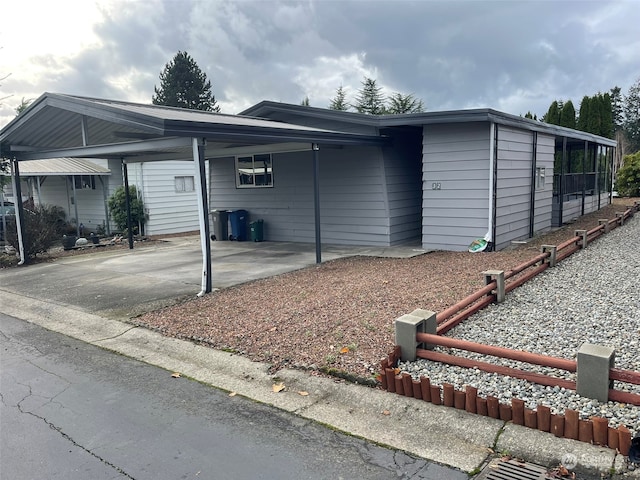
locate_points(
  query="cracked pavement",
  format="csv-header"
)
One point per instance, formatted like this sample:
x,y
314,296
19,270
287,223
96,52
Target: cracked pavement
x,y
72,410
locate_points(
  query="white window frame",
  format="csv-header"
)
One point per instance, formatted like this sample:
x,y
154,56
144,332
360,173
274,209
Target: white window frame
x,y
245,174
184,183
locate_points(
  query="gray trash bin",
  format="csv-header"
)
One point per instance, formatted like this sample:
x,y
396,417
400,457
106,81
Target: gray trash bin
x,y
220,219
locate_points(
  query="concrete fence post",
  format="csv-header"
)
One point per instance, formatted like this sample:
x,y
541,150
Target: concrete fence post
x,y
553,253
594,362
406,327
583,235
605,222
620,218
498,276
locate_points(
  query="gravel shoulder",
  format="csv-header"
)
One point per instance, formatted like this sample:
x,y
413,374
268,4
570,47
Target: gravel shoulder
x,y
339,315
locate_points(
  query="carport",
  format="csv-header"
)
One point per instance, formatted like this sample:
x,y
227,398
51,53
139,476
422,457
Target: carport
x,y
58,125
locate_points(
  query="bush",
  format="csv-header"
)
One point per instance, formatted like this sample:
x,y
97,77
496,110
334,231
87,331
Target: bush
x,y
628,180
43,227
118,208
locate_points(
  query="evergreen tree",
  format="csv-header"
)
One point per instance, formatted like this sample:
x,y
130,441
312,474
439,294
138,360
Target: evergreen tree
x,y
399,103
339,102
617,106
632,116
305,102
370,99
583,116
183,84
567,117
606,116
553,114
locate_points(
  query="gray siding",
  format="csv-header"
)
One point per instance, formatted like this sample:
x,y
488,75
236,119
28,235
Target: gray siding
x,y
545,150
515,149
457,157
168,211
403,173
353,205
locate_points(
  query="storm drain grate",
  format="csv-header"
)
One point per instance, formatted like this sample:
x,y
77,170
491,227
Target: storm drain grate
x,y
513,470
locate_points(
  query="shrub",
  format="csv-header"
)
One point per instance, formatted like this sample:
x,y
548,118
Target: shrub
x,y
628,179
118,208
43,227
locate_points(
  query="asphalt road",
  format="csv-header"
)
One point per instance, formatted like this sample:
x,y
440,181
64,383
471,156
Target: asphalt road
x,y
71,410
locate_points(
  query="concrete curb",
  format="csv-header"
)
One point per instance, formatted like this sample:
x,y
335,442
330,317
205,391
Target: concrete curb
x,y
445,435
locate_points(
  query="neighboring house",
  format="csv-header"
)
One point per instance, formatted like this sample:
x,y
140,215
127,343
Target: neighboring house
x,y
82,188
435,179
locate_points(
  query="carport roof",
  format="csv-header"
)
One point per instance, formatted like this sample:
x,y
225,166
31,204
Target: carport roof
x,y
61,166
58,125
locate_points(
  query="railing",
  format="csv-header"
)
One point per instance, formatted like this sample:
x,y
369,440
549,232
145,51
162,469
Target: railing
x,y
626,376
426,328
460,311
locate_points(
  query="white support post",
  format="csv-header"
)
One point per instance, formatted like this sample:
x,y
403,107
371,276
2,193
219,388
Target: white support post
x,y
583,238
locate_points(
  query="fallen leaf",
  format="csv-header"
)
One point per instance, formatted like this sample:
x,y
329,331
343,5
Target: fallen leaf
x,y
303,393
344,350
386,412
232,394
176,375
278,387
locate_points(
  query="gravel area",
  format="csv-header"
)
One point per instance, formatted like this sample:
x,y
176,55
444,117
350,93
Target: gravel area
x,y
590,297
338,316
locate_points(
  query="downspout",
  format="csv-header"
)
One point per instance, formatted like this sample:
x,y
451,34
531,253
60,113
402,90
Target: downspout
x,y
17,195
493,182
316,199
532,201
203,214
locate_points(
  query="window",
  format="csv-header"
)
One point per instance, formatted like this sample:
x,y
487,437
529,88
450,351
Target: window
x,y
184,184
85,181
539,178
254,171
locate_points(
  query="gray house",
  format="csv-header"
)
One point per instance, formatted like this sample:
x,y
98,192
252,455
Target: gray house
x,y
441,180
436,179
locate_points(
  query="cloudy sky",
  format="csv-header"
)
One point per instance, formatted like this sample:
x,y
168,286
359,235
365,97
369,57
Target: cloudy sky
x,y
510,55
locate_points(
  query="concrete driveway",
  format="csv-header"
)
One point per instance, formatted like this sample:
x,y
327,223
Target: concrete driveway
x,y
126,283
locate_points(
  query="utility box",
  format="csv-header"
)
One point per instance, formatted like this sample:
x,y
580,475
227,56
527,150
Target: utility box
x,y
220,219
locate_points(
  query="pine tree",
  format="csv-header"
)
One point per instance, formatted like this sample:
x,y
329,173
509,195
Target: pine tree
x,y
305,102
399,103
553,114
583,116
567,116
632,116
617,106
183,84
370,99
339,102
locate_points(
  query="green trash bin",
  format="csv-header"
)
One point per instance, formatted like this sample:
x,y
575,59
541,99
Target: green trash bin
x,y
257,230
